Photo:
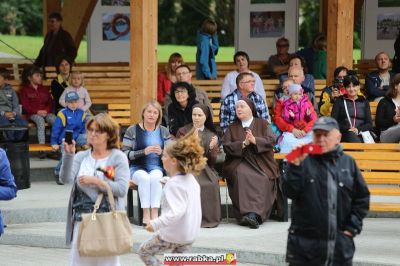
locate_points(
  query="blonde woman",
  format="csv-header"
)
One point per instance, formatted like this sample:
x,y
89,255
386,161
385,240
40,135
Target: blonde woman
x,y
143,144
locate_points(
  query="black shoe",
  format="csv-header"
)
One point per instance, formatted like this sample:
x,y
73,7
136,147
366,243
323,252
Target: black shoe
x,y
251,221
57,178
42,155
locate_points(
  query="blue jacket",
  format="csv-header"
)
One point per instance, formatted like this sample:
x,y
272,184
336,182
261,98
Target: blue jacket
x,y
8,189
372,85
207,48
68,120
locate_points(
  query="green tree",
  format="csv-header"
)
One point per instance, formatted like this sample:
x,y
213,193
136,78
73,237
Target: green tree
x,y
167,13
224,15
309,18
21,17
189,20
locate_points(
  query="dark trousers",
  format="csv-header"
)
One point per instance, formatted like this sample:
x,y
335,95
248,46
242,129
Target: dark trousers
x,y
14,135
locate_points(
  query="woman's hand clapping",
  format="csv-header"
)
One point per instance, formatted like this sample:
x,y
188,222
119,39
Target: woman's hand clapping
x,y
249,137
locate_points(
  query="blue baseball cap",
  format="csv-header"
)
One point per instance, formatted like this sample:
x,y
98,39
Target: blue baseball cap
x,y
71,96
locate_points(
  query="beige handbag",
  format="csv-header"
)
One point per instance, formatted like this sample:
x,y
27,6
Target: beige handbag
x,y
104,234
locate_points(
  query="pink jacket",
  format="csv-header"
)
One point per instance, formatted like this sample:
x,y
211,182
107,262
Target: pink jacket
x,y
303,112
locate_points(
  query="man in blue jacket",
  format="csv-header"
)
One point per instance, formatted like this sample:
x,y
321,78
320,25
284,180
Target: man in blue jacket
x,y
8,189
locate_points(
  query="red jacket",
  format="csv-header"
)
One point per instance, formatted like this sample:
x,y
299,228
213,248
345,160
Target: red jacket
x,y
33,100
163,87
287,127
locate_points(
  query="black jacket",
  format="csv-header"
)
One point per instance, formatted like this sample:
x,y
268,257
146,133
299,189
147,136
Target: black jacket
x,y
54,46
362,115
329,195
385,112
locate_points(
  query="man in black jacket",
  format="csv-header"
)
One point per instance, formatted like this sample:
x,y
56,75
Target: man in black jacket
x,y
56,43
329,201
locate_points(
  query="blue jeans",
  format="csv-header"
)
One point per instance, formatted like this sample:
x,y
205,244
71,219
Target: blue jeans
x,y
80,140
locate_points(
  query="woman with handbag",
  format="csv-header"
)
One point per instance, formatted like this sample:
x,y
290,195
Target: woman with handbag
x,y
352,111
143,144
91,172
179,224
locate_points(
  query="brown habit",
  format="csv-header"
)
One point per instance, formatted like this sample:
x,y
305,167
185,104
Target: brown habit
x,y
208,180
251,172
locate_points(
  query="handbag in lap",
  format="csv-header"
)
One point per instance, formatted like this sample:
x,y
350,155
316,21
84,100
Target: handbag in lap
x,y
104,234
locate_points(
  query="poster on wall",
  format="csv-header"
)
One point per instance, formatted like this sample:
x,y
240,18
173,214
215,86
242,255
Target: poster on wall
x,y
388,26
116,27
267,24
260,23
380,27
115,2
109,32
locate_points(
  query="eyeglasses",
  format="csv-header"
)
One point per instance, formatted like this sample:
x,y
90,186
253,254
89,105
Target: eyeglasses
x,y
182,73
94,131
249,81
181,91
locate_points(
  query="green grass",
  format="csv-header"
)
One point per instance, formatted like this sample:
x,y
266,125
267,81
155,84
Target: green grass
x,y
30,46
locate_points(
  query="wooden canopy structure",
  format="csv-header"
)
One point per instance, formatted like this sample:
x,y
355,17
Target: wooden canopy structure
x,y
337,21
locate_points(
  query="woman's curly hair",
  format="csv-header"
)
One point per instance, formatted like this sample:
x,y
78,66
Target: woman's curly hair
x,y
188,152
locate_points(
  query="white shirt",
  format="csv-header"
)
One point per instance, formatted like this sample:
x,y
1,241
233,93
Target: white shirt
x,y
229,84
180,218
247,123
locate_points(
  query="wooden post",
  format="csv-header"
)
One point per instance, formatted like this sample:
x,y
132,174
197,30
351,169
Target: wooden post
x,y
143,54
48,7
339,35
75,20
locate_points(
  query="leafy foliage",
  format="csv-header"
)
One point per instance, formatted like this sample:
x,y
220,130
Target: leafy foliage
x,y
22,17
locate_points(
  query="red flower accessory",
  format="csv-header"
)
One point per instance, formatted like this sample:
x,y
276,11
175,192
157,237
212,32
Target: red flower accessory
x,y
108,171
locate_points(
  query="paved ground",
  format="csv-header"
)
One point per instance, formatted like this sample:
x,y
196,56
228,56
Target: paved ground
x,y
36,226
34,256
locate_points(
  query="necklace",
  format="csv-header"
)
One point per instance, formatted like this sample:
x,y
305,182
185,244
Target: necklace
x,y
146,129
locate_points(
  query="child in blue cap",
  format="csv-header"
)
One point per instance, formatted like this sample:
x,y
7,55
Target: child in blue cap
x,y
69,118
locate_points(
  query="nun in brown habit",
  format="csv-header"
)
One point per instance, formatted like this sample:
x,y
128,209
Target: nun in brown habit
x,y
208,178
250,168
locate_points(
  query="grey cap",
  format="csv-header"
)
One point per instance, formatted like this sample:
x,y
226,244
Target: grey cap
x,y
326,123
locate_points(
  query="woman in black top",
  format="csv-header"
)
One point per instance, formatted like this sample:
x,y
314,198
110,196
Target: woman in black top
x,y
183,98
63,69
358,115
388,113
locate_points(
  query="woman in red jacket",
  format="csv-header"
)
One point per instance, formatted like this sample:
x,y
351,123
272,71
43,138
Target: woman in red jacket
x,y
167,77
36,100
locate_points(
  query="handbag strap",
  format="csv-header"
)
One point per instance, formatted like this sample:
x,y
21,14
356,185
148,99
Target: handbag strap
x,y
99,199
347,113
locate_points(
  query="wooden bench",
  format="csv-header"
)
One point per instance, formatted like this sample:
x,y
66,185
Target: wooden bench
x,y
379,164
